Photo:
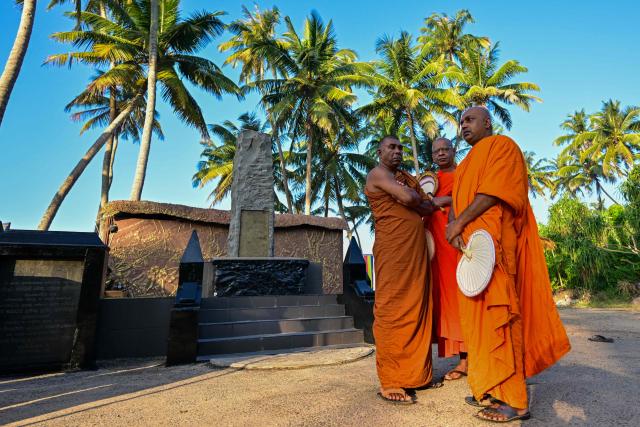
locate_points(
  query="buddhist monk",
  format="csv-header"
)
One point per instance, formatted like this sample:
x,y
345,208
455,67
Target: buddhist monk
x,y
444,263
402,311
511,330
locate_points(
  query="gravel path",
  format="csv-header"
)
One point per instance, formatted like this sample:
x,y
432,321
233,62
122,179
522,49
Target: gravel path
x,y
597,384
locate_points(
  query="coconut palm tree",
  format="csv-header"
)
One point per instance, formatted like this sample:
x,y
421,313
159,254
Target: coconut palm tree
x,y
483,82
251,36
614,137
18,51
120,40
312,95
575,177
123,38
152,74
444,36
67,184
408,88
540,174
98,110
579,167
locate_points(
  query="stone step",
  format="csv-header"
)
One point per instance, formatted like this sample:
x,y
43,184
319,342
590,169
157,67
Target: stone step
x,y
257,327
267,301
217,315
281,341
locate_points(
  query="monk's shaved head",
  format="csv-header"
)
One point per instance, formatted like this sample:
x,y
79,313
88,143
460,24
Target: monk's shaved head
x,y
443,153
442,140
481,111
475,124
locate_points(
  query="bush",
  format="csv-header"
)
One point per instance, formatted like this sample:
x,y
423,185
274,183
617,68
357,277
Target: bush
x,y
594,253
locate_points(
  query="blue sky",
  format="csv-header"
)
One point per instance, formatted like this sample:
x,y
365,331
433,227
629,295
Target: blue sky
x,y
580,53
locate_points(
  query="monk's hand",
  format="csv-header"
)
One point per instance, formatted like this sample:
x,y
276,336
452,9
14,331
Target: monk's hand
x,y
452,234
441,202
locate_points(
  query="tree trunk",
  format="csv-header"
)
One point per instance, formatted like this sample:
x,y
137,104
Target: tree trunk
x,y
64,189
336,188
108,154
16,56
113,156
414,143
307,194
145,142
283,169
355,230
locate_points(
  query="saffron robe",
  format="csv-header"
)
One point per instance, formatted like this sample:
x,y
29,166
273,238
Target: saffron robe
x,y
448,333
402,312
512,330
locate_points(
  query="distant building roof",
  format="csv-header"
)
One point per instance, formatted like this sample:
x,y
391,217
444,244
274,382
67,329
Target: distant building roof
x,y
127,208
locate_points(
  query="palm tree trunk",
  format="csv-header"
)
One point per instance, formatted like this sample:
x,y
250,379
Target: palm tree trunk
x,y
113,156
336,188
108,154
283,169
307,194
16,56
145,142
64,189
414,143
600,189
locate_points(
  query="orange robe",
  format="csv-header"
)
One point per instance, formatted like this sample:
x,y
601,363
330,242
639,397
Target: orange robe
x,y
402,310
512,330
445,288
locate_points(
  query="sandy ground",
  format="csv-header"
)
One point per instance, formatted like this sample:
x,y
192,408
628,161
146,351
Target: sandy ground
x,y
597,384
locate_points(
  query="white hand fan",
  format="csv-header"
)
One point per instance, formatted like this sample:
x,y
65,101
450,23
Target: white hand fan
x,y
475,268
429,183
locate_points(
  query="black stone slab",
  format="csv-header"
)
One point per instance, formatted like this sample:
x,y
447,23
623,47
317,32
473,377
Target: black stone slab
x,y
50,284
182,346
259,276
37,321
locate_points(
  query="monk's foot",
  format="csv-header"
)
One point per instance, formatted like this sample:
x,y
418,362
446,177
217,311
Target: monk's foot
x,y
395,395
502,413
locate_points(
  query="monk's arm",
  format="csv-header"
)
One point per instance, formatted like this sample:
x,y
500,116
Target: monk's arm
x,y
480,204
443,201
425,208
405,195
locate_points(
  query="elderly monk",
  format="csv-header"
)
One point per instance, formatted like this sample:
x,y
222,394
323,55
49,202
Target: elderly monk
x,y
402,311
444,263
512,330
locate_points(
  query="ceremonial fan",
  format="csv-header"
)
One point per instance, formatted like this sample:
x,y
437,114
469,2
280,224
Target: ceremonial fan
x,y
429,184
475,268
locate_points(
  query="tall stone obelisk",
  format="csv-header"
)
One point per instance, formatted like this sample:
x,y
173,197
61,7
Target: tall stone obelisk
x,y
252,197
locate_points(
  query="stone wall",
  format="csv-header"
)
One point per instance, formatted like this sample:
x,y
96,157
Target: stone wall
x,y
146,241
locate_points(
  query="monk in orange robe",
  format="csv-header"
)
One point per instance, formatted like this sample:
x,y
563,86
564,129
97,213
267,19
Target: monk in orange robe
x,y
512,330
402,311
445,288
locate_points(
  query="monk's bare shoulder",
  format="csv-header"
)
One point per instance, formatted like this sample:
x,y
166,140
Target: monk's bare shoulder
x,y
373,177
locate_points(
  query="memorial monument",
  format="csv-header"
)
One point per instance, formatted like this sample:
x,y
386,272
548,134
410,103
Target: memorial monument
x,y
250,268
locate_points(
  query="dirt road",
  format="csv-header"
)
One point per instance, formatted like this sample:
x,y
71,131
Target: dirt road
x,y
597,384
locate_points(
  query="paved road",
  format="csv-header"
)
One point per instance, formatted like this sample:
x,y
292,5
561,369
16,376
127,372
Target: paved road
x,y
597,384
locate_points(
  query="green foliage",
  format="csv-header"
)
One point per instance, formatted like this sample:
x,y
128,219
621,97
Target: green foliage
x,y
593,250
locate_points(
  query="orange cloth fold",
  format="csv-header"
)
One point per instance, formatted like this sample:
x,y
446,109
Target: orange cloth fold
x,y
402,311
448,332
512,330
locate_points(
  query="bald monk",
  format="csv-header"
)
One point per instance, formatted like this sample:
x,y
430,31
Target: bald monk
x,y
402,310
444,263
512,330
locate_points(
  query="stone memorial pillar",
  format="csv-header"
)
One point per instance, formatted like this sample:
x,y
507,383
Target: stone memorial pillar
x,y
252,197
